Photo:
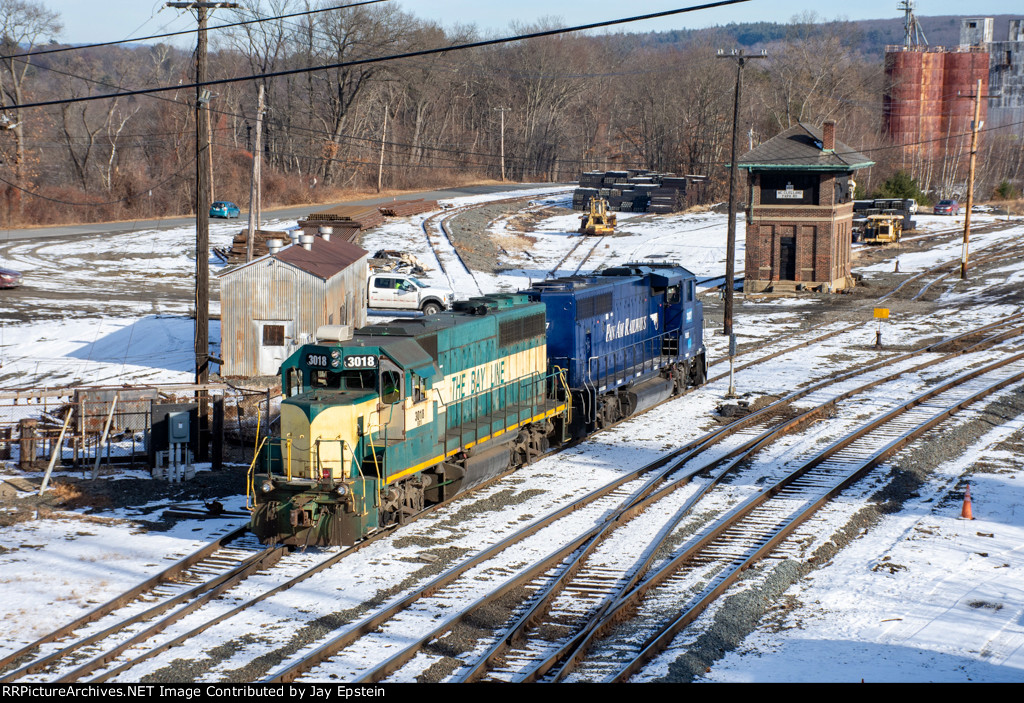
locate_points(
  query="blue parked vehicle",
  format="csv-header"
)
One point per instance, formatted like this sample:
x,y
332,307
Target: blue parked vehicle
x,y
225,209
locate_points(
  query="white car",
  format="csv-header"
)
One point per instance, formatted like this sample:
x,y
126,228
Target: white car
x,y
393,291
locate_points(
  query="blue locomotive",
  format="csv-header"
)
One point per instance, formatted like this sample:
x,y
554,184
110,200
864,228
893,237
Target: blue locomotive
x,y
410,413
628,339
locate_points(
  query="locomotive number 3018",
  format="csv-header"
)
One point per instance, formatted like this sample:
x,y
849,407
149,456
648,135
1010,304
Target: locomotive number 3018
x,y
360,361
317,360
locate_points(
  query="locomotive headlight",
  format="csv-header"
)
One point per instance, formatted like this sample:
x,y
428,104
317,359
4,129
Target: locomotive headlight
x,y
267,486
341,490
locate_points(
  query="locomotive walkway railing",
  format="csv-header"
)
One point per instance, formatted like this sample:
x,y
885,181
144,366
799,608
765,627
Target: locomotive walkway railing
x,y
627,363
477,418
463,423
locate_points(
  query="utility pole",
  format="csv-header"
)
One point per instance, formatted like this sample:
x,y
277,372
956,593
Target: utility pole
x,y
5,126
202,328
383,138
255,186
975,127
502,110
202,333
730,245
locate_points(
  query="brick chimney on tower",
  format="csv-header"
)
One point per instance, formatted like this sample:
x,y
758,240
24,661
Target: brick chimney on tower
x,y
828,137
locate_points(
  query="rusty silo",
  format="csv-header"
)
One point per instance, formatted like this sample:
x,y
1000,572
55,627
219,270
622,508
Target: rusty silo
x,y
963,69
929,100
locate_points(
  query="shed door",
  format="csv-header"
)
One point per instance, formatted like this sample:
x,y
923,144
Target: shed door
x,y
275,344
787,258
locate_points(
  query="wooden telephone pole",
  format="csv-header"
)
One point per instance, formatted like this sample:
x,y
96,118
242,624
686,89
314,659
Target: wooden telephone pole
x,y
255,193
975,127
202,334
502,110
730,245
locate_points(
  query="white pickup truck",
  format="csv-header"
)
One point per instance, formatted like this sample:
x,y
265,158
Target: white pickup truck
x,y
395,291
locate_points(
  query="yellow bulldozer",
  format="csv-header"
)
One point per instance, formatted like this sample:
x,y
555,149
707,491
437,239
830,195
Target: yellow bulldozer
x,y
883,229
599,220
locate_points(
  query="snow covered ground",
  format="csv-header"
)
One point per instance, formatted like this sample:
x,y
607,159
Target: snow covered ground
x,y
923,596
926,596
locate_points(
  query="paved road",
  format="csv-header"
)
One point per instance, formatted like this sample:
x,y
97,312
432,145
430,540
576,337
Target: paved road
x,y
281,213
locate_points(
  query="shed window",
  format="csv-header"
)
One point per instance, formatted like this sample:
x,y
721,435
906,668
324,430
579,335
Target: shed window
x,y
273,335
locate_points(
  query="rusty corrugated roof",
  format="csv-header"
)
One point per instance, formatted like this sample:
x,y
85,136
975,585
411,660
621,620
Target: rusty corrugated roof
x,y
325,259
799,147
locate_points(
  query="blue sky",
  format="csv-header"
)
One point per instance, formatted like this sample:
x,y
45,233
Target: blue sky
x,y
110,20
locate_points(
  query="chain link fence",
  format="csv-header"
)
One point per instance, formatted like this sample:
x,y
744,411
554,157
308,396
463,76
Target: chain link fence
x,y
126,426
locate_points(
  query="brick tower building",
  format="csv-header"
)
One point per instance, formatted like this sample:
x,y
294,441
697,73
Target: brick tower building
x,y
800,212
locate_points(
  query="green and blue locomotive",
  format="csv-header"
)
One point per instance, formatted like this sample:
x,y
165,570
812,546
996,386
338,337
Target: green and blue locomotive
x,y
410,413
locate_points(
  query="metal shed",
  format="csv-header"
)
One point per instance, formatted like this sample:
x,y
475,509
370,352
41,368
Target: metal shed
x,y
274,304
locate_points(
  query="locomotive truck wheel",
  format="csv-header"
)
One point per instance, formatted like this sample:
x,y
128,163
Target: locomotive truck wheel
x,y
698,371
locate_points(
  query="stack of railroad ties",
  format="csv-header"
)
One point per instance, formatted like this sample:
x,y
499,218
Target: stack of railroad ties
x,y
639,190
347,221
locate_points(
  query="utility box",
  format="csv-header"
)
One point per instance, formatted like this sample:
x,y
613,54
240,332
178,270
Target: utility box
x,y
178,427
173,440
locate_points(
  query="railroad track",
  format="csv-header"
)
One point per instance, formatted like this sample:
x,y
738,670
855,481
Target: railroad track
x,y
344,656
184,595
193,580
449,258
982,255
598,594
128,662
701,571
179,609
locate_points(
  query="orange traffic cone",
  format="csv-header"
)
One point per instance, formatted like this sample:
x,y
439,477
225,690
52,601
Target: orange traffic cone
x,y
966,512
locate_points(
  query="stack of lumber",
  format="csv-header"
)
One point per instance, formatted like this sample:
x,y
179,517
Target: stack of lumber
x,y
346,220
407,208
235,254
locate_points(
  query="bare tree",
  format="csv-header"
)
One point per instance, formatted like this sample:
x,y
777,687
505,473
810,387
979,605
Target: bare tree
x,y
22,25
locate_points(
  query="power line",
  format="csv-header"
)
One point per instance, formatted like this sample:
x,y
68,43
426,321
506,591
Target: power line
x,y
381,59
354,162
173,176
81,47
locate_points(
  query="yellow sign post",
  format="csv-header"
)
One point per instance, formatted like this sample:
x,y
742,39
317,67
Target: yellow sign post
x,y
880,314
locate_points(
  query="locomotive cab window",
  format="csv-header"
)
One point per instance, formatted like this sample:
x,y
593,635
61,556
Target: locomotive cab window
x,y
294,382
358,380
390,383
419,389
323,378
673,294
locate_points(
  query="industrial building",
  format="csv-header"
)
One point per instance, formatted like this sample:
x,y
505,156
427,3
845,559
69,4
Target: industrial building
x,y
1005,106
930,95
929,99
275,304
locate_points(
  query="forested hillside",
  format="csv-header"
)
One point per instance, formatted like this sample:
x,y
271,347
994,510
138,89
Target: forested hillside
x,y
570,102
